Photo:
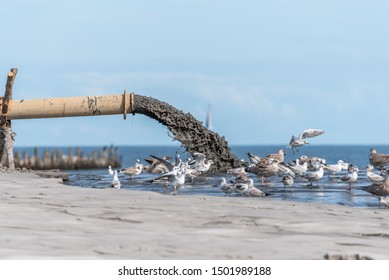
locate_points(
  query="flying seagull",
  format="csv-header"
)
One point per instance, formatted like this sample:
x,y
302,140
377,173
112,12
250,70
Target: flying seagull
x,y
299,141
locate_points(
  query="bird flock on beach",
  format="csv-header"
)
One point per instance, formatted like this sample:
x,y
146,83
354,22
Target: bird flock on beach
x,y
175,174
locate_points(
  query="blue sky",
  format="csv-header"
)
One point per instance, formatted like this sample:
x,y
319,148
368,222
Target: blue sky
x,y
269,69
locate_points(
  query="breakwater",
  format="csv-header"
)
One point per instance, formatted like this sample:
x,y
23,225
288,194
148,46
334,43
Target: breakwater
x,y
73,159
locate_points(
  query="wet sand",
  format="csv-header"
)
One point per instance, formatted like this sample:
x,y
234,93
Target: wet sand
x,y
41,218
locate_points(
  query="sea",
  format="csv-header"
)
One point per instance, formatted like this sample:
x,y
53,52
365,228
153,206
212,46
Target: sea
x,y
329,190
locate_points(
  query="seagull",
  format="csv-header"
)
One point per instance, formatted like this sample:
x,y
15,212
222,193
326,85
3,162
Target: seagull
x,y
156,166
236,170
313,162
287,180
242,188
351,177
132,171
253,191
241,177
176,174
110,171
254,159
199,162
285,170
373,177
298,168
299,141
315,175
279,156
226,188
178,180
334,168
378,160
172,169
264,169
384,201
380,189
191,173
115,181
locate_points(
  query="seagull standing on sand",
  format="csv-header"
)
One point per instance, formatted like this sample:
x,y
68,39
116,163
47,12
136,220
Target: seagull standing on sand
x,y
115,181
299,141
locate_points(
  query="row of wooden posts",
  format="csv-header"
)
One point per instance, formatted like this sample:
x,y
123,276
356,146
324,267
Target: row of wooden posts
x,y
73,159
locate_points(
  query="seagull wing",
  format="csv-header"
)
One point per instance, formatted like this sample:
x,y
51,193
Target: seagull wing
x,y
291,141
309,133
168,164
254,159
346,178
311,176
199,158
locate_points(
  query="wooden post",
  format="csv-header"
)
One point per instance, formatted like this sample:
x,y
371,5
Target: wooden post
x,y
7,136
7,100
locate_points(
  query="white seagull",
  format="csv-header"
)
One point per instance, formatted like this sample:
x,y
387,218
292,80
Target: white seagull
x,y
199,162
253,191
315,175
334,168
132,171
384,201
350,178
242,188
373,177
115,181
299,141
176,174
227,189
298,168
254,159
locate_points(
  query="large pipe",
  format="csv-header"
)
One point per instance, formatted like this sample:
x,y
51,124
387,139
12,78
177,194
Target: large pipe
x,y
184,127
71,106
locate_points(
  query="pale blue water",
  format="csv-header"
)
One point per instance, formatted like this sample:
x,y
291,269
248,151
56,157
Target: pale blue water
x,y
330,189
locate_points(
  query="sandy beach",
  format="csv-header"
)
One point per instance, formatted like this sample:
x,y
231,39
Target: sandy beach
x,y
42,218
